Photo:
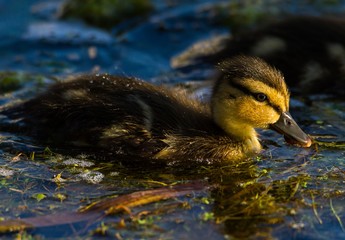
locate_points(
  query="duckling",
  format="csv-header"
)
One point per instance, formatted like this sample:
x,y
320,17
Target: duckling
x,y
308,50
128,116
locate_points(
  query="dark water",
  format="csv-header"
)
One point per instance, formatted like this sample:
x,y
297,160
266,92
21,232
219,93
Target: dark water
x,y
285,193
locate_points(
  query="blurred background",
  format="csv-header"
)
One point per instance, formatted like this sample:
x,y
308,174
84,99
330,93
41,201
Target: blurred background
x,y
135,37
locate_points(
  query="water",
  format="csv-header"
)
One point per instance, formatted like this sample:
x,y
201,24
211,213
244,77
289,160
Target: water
x,y
287,192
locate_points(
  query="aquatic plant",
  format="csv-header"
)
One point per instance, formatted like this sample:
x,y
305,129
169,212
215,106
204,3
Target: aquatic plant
x,y
105,13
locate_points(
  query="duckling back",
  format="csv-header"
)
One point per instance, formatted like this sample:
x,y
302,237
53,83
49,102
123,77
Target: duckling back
x,y
117,114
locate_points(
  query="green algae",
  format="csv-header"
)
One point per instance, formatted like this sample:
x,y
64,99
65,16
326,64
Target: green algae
x,y
243,15
105,13
12,81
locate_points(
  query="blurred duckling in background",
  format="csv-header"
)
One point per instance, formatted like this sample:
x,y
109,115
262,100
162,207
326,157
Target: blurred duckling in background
x,y
127,116
310,52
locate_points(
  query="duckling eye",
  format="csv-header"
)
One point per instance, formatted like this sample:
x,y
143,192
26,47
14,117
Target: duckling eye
x,y
261,97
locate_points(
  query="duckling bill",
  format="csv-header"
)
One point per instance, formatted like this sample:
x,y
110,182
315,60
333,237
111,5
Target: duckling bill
x,y
127,116
291,131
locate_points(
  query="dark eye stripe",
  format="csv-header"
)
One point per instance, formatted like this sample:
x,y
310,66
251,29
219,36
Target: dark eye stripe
x,y
241,88
248,92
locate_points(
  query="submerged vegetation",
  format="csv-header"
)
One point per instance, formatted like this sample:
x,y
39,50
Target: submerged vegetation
x,y
240,16
247,200
105,13
12,81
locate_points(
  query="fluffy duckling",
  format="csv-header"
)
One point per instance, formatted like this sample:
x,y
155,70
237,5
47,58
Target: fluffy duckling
x,y
310,52
122,115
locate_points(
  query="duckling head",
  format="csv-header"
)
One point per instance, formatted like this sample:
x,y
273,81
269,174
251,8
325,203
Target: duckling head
x,y
251,94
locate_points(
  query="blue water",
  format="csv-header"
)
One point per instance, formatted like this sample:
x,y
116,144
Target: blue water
x,y
34,41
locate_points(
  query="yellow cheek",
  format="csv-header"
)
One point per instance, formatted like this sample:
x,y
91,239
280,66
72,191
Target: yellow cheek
x,y
269,116
257,114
